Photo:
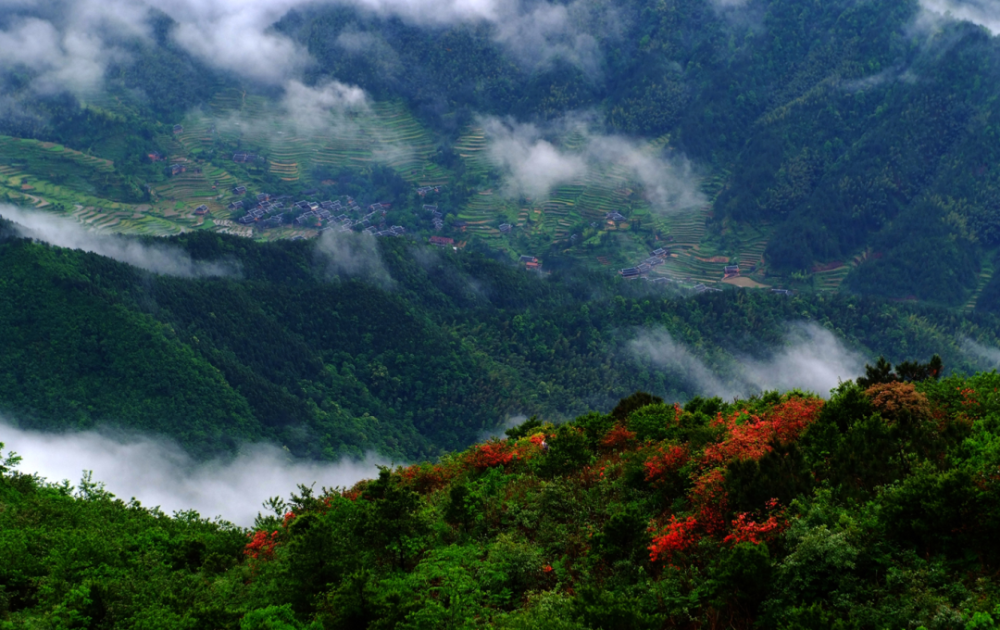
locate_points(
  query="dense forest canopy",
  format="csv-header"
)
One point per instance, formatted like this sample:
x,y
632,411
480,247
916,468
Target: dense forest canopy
x,y
873,509
414,353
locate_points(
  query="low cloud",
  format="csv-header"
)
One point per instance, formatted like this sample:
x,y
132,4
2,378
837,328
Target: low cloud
x,y
159,473
322,105
353,254
501,431
985,13
238,36
811,359
536,35
68,44
985,354
533,164
887,76
157,258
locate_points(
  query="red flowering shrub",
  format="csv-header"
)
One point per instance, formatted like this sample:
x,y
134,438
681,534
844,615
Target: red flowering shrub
x,y
261,546
678,537
709,496
667,460
289,516
745,529
968,396
491,454
537,439
751,439
424,478
618,438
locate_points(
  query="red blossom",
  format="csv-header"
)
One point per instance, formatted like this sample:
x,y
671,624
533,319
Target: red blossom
x,y
424,478
491,454
261,546
537,439
288,518
666,461
709,495
968,396
745,529
678,537
618,438
751,439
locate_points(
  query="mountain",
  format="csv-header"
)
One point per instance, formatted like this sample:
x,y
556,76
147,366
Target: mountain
x,y
876,508
847,146
416,353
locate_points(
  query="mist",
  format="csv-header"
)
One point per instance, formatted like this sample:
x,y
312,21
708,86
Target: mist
x,y
811,358
353,254
157,258
984,354
533,164
68,44
985,13
160,474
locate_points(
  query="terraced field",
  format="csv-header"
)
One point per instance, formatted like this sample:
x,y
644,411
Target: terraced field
x,y
984,277
572,218
830,280
385,133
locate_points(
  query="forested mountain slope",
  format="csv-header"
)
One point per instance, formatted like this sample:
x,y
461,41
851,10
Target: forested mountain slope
x,y
875,509
418,357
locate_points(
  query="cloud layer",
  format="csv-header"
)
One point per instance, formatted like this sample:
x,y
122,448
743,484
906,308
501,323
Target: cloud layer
x,y
157,258
986,354
985,13
158,473
69,43
353,254
811,359
534,165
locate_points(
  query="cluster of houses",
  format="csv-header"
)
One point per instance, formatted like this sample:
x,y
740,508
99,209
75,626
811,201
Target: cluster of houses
x,y
265,214
505,228
343,216
442,241
656,257
614,217
701,288
530,262
423,190
246,158
436,217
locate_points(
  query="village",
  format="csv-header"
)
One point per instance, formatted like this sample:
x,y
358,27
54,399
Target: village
x,y
343,214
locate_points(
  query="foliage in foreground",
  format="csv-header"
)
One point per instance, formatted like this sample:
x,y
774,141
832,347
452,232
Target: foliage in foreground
x,y
875,509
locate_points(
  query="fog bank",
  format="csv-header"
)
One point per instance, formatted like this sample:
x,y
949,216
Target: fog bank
x,y
158,473
62,231
810,359
533,164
